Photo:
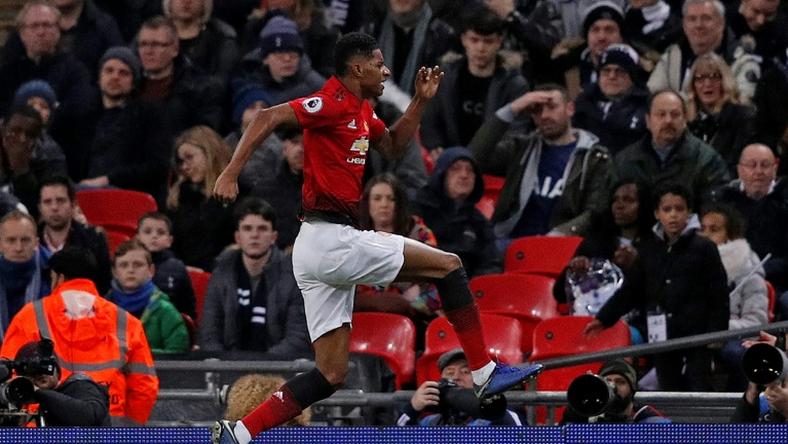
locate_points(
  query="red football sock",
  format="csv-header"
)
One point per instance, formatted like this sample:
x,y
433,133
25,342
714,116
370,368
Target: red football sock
x,y
468,326
278,409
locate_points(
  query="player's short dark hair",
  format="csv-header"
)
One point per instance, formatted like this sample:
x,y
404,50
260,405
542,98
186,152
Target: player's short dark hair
x,y
254,206
656,94
74,263
351,45
155,215
675,188
734,221
483,21
554,87
59,181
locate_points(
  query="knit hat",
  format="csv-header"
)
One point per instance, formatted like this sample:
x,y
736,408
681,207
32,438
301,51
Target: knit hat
x,y
280,34
622,55
603,10
126,56
35,88
623,368
449,357
244,95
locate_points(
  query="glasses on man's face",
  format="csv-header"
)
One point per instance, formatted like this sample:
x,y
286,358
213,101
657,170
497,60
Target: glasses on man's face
x,y
715,77
751,165
153,44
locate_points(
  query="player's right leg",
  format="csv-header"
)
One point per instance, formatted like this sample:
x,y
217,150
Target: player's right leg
x,y
331,359
446,270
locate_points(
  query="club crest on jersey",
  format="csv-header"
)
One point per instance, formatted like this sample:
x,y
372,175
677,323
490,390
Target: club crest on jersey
x,y
312,104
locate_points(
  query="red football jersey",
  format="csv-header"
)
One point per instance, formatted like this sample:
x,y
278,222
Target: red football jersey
x,y
338,128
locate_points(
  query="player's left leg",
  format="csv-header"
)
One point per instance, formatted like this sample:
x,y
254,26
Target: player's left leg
x,y
331,360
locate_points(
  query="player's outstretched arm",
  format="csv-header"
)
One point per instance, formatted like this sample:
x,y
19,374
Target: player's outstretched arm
x,y
394,143
264,123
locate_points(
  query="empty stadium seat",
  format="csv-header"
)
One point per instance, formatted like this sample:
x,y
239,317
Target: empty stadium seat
x,y
389,336
564,336
115,209
115,238
546,255
528,298
502,334
200,281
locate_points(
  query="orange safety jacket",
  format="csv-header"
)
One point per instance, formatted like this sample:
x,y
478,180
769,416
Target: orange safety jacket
x,y
109,346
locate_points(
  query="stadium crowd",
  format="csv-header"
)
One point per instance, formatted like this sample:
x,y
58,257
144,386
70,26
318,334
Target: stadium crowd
x,y
655,129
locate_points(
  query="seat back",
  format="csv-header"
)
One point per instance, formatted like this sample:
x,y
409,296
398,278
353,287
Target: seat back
x,y
115,209
501,333
191,327
115,238
199,281
772,296
525,297
546,255
389,336
564,336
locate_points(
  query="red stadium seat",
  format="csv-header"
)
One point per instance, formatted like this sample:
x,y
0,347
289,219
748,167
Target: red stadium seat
x,y
502,334
563,336
115,209
546,255
390,336
525,297
772,295
200,281
492,187
115,238
486,206
191,327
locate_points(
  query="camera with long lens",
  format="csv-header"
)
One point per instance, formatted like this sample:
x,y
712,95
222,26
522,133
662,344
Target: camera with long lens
x,y
764,364
457,401
592,396
16,391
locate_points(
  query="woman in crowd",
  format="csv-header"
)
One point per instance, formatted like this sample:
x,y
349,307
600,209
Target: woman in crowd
x,y
201,226
714,112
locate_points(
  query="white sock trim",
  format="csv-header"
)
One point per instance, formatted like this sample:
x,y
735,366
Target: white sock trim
x,y
481,375
241,433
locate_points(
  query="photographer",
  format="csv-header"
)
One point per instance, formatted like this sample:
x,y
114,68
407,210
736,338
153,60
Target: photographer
x,y
75,402
622,376
451,401
767,404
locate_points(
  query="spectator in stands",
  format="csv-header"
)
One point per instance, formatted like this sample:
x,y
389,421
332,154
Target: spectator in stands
x,y
22,167
749,303
248,98
603,25
474,86
253,302
652,26
574,13
310,17
38,58
279,182
623,377
250,390
23,275
58,228
279,65
86,31
134,291
129,14
614,107
154,231
90,332
385,207
202,226
129,146
208,42
409,36
714,112
762,198
670,153
39,95
759,22
450,401
447,204
189,96
703,22
555,177
679,281
615,234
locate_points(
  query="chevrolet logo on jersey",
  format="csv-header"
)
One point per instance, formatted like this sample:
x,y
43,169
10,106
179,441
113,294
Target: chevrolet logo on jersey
x,y
361,145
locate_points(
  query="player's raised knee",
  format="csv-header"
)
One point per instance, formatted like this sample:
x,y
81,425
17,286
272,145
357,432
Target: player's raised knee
x,y
450,262
336,376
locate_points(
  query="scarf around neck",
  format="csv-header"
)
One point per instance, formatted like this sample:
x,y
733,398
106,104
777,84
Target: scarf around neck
x,y
135,301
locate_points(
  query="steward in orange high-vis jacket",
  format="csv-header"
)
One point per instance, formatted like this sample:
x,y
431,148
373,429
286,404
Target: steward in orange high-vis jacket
x,y
91,336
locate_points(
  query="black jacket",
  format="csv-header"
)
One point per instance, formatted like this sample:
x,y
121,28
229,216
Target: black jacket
x,y
618,123
766,221
214,50
77,402
94,33
94,240
172,278
727,132
685,280
282,189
